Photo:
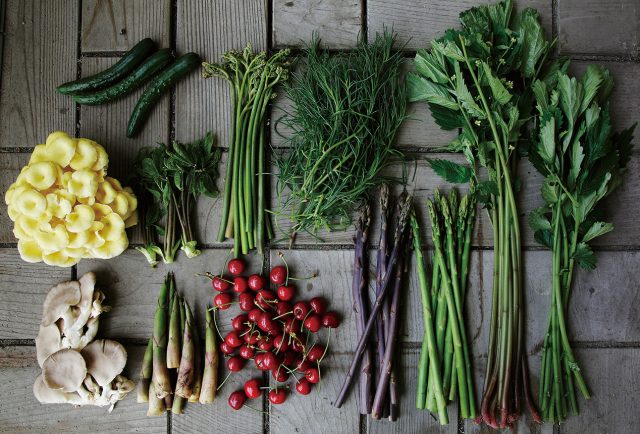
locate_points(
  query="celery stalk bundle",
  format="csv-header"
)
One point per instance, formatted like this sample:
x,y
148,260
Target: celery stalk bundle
x,y
479,79
252,78
445,362
582,160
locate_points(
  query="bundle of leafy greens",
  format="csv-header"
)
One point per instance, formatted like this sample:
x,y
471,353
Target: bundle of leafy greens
x,y
347,109
252,78
582,160
169,179
478,79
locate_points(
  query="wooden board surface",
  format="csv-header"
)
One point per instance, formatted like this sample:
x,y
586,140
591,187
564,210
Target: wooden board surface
x,y
47,43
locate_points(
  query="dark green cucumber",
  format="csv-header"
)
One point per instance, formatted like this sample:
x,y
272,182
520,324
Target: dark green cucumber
x,y
144,72
115,73
163,81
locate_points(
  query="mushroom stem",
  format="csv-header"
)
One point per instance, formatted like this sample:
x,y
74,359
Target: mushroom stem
x,y
210,376
145,373
161,379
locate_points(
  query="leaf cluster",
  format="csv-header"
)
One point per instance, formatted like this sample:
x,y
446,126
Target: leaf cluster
x,y
579,154
347,109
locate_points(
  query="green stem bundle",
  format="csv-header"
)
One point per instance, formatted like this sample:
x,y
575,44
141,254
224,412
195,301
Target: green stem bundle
x,y
252,78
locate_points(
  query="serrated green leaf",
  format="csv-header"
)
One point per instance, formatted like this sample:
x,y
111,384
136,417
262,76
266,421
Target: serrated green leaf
x,y
538,221
534,45
550,190
450,171
427,64
585,257
499,92
465,98
547,144
596,230
421,89
544,237
446,119
590,81
448,49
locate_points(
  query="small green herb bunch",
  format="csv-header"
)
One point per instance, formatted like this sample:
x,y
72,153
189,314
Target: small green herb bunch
x,y
169,179
583,161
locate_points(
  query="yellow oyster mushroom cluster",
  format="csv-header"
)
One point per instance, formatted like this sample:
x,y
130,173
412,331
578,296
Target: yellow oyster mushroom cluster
x,y
66,208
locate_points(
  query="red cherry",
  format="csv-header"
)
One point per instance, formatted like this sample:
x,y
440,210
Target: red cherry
x,y
300,310
237,399
283,308
233,340
302,364
281,343
219,284
313,323
270,361
303,386
240,284
315,353
297,346
236,266
235,363
277,396
259,360
222,301
289,358
245,301
226,348
291,325
246,352
252,338
266,322
286,293
280,375
312,375
256,282
331,320
239,323
264,299
265,344
254,315
278,275
252,388
318,305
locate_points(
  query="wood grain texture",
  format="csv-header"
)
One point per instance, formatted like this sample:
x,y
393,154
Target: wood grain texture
x,y
336,22
612,377
35,61
117,25
599,27
210,29
107,124
412,420
417,22
10,165
23,288
315,413
21,413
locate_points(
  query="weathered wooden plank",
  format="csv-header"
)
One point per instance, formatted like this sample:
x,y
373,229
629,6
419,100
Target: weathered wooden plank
x,y
336,22
599,27
314,412
37,57
10,165
412,420
131,287
22,413
23,287
611,374
219,416
107,124
119,25
418,22
210,29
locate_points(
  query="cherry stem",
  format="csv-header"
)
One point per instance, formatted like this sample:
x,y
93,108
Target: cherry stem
x,y
211,276
312,276
326,348
255,409
286,266
224,381
226,261
215,322
284,314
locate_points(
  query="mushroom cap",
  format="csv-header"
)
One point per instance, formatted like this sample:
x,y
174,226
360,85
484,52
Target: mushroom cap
x,y
47,342
46,395
58,300
105,359
64,370
87,285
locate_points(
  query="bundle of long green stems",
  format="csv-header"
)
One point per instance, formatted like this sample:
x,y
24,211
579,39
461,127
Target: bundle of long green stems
x,y
444,372
252,78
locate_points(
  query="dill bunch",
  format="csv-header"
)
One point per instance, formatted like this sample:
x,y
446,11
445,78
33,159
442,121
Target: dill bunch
x,y
347,109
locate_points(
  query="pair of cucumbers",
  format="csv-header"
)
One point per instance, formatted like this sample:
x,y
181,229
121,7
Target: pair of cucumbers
x,y
137,66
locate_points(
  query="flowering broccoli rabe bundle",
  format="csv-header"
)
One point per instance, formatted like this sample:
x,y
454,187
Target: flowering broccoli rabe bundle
x,y
65,207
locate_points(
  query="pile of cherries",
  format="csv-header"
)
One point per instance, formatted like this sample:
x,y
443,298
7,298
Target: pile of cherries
x,y
274,330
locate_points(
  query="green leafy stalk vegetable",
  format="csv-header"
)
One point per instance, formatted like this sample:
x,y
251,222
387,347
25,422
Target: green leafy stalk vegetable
x,y
252,78
479,79
583,161
171,178
347,109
